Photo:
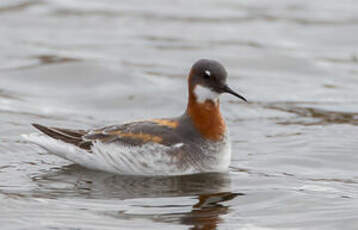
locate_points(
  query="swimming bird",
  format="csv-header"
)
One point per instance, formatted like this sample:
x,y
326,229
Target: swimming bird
x,y
196,142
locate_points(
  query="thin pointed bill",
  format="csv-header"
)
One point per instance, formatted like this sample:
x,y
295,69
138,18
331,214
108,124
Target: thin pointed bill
x,y
227,89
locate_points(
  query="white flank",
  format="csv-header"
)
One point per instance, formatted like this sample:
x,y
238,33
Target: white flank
x,y
150,159
202,94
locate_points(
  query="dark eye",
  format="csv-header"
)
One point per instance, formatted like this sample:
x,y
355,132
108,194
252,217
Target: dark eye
x,y
207,74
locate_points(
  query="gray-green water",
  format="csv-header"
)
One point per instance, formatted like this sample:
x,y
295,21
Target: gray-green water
x,y
84,64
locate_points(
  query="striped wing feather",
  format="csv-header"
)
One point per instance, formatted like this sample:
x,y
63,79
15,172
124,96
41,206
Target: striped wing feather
x,y
136,133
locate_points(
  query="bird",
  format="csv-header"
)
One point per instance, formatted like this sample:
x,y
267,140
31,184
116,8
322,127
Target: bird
x,y
198,141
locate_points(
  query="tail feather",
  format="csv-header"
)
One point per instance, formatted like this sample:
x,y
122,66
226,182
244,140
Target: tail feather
x,y
62,149
72,133
65,135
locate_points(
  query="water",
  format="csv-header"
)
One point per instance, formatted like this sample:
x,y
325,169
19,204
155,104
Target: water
x,y
84,64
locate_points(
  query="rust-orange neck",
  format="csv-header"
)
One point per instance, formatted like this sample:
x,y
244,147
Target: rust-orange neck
x,y
206,117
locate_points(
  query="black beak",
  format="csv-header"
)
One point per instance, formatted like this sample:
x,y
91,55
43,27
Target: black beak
x,y
227,89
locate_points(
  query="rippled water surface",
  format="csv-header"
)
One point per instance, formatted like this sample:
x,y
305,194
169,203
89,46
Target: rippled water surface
x,y
84,64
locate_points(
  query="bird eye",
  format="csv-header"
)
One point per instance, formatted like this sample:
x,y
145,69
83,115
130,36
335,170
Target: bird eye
x,y
207,74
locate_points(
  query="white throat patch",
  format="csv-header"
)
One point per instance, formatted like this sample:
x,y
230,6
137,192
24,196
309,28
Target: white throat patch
x,y
202,94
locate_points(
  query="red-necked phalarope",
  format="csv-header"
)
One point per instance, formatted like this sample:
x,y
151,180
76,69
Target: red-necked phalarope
x,y
195,142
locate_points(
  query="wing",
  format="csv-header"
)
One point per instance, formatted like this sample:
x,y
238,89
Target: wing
x,y
161,131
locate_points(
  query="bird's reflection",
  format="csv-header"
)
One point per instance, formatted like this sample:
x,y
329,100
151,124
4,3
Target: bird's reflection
x,y
210,190
205,215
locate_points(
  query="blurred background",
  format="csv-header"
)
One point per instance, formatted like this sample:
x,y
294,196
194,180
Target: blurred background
x,y
85,64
